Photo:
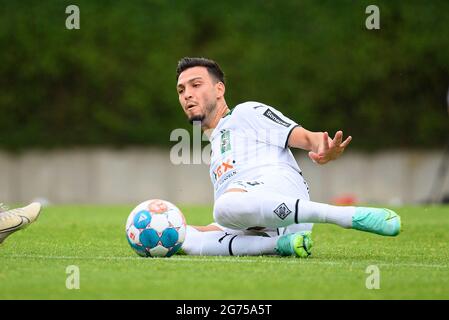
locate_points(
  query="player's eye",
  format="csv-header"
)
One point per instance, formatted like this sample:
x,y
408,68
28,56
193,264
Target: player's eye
x,y
180,91
196,85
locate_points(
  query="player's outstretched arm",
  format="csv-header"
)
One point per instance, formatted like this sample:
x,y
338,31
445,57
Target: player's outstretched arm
x,y
321,147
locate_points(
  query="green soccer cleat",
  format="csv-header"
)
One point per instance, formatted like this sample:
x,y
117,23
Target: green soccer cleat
x,y
380,221
295,244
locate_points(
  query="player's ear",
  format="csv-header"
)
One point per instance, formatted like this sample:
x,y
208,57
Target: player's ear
x,y
220,89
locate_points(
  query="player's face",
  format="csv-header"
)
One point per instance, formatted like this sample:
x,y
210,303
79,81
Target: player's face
x,y
197,93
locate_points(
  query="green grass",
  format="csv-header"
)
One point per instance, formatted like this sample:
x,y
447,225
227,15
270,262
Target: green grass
x,y
33,262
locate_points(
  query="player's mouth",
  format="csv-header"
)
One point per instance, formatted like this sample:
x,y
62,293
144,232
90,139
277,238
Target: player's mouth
x,y
190,106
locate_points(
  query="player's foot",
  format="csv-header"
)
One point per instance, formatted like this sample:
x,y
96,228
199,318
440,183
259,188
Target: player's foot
x,y
16,219
380,221
298,244
181,252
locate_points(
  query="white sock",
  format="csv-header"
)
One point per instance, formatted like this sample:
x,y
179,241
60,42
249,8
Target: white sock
x,y
293,228
220,243
241,210
309,211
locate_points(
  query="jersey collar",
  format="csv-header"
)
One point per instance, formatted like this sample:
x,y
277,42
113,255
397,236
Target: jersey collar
x,y
228,113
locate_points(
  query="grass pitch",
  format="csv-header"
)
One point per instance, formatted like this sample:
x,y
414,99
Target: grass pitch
x,y
33,262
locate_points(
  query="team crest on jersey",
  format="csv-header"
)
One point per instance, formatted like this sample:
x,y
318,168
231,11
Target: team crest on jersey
x,y
282,211
225,141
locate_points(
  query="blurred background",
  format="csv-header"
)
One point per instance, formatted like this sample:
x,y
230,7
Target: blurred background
x,y
86,115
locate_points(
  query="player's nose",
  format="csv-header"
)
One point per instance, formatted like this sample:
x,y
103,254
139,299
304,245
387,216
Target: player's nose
x,y
186,92
187,98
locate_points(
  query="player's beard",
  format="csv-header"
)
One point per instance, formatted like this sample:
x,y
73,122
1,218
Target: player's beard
x,y
197,118
210,108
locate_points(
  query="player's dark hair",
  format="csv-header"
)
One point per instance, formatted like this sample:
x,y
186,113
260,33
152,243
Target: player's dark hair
x,y
212,67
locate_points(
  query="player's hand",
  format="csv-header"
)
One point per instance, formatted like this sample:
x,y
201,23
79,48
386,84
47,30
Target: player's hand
x,y
330,149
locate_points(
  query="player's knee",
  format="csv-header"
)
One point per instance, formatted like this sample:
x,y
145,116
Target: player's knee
x,y
193,242
222,209
229,208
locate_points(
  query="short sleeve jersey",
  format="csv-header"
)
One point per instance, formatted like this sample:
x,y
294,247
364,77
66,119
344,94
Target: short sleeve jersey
x,y
250,141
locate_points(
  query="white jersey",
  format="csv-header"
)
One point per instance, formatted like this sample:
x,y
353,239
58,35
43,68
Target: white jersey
x,y
249,144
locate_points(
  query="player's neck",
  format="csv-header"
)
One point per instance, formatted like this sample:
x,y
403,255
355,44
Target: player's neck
x,y
220,111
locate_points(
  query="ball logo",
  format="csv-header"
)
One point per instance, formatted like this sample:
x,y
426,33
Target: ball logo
x,y
157,206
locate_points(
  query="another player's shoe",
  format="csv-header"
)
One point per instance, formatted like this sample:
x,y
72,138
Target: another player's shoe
x,y
16,219
380,221
298,244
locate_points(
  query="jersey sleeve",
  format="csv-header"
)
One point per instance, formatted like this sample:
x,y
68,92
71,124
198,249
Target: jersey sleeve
x,y
266,123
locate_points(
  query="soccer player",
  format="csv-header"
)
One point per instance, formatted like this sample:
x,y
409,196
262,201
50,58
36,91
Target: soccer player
x,y
17,219
261,198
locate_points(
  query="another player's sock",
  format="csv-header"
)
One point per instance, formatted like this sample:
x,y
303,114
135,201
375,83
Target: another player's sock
x,y
220,243
240,210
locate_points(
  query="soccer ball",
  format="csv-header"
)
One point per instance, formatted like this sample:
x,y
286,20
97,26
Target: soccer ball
x,y
156,228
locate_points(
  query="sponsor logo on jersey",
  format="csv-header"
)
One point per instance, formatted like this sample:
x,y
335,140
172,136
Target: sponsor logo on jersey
x,y
223,168
225,141
226,234
227,176
274,117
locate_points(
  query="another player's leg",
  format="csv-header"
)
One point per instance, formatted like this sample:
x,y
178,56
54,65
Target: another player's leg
x,y
268,209
219,241
17,219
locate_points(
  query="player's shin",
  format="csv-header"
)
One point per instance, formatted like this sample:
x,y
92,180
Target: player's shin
x,y
220,243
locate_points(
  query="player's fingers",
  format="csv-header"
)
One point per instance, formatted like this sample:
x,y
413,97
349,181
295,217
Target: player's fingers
x,y
314,156
322,160
318,158
326,141
338,138
346,142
